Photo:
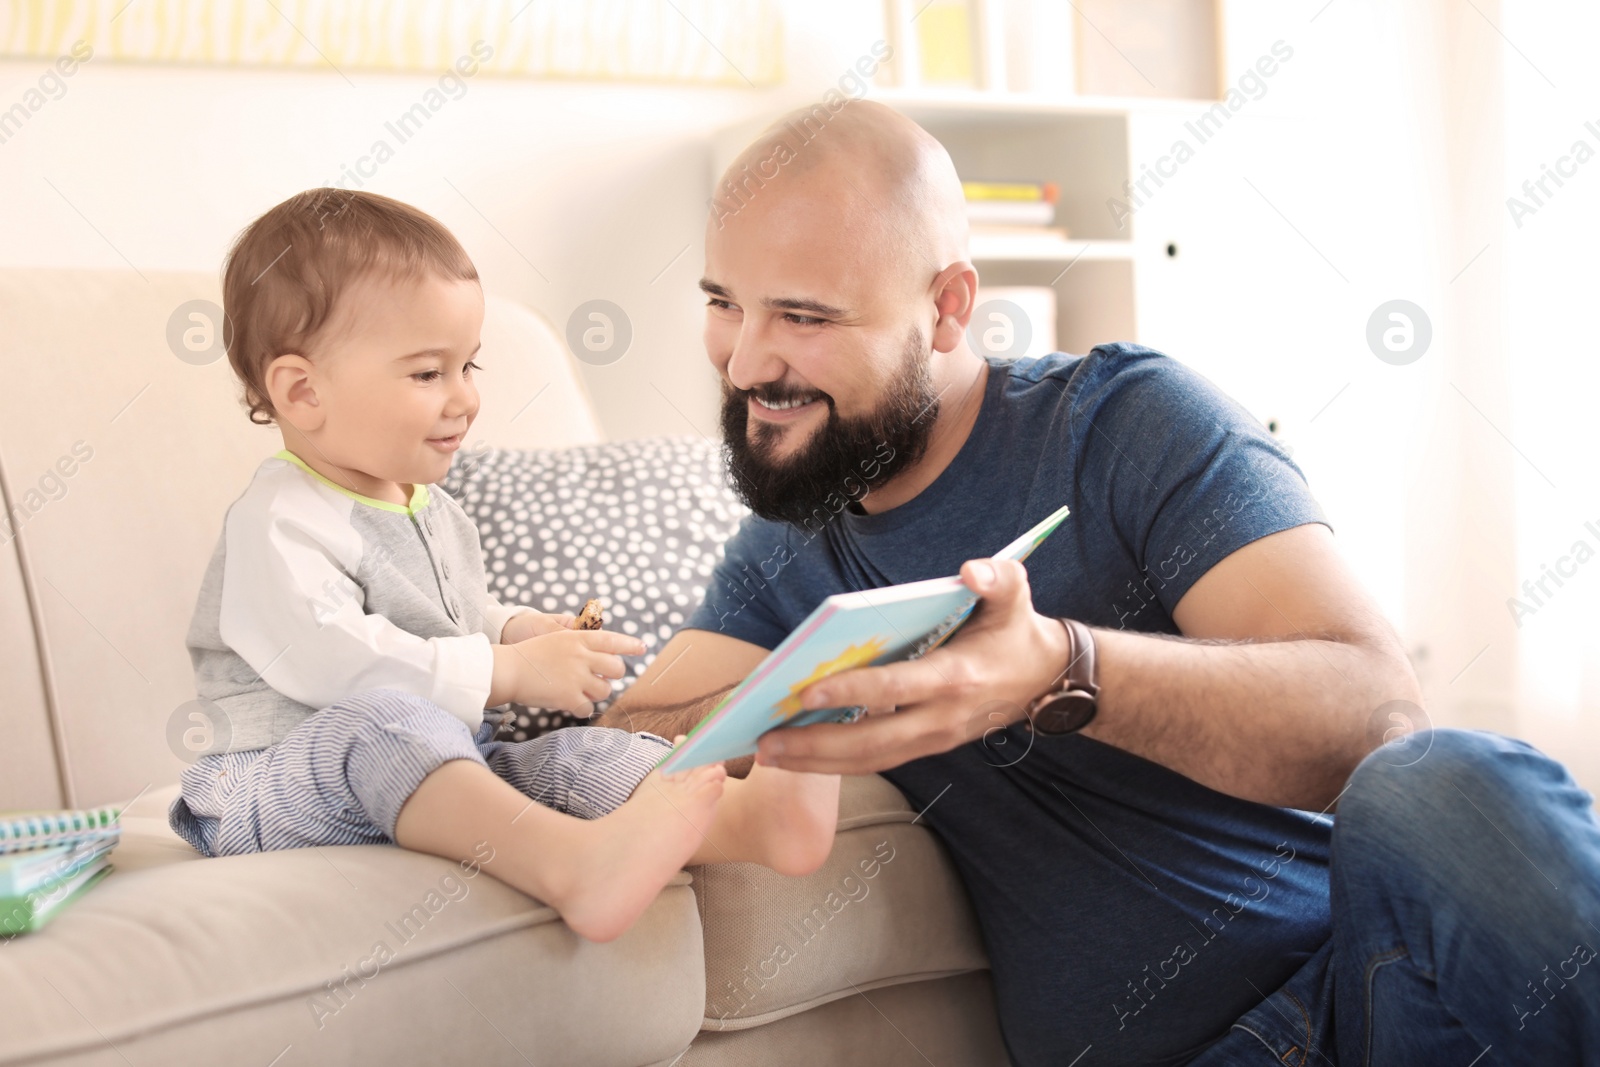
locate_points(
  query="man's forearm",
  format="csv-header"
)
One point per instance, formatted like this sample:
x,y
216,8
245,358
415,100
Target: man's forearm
x,y
1280,722
669,721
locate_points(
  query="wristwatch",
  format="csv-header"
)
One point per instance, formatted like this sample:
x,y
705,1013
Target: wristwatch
x,y
1073,698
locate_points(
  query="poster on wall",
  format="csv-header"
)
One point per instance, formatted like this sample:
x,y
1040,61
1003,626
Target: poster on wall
x,y
730,42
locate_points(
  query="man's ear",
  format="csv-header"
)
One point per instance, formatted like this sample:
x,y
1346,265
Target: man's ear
x,y
955,292
291,387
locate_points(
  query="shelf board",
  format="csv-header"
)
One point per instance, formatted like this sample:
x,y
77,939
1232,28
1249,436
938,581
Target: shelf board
x,y
953,103
1044,248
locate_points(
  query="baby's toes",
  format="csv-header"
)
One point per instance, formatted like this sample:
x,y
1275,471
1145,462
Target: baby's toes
x,y
705,784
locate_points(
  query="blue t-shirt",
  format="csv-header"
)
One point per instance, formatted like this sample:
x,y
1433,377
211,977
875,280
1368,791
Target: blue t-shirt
x,y
1123,905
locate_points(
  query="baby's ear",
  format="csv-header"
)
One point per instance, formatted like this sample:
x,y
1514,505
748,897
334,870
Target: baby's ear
x,y
288,381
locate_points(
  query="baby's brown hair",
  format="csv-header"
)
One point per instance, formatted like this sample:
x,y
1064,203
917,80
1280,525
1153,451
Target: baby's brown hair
x,y
287,269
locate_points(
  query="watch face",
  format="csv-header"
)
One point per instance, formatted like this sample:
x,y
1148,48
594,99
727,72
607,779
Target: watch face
x,y
1065,714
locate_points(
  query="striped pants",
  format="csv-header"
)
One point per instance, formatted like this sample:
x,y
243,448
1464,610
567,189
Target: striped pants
x,y
342,776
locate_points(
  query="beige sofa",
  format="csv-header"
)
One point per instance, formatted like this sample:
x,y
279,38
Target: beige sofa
x,y
118,460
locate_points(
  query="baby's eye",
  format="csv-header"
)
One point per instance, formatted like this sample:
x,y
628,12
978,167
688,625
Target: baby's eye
x,y
471,366
427,376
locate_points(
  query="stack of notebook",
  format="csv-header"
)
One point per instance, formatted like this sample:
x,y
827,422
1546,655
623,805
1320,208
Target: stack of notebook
x,y
49,859
1013,206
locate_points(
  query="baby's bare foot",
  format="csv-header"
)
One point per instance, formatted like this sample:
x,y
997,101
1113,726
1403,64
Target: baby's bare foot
x,y
628,856
794,816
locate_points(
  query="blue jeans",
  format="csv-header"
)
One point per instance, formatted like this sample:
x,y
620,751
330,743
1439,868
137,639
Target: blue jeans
x,y
1465,893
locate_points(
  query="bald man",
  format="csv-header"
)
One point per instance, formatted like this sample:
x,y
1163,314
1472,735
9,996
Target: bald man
x,y
1132,748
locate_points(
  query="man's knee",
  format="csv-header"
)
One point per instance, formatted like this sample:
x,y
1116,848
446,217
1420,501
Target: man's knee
x,y
1442,792
1435,775
1457,826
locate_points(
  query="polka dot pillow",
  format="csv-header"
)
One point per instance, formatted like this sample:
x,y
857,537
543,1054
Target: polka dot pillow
x,y
638,524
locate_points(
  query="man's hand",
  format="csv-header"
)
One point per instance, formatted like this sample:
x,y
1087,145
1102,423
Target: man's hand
x,y
1271,694
526,624
984,677
567,670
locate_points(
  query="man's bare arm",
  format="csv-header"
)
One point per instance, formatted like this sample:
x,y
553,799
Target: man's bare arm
x,y
667,720
1280,722
1272,692
683,683
1280,717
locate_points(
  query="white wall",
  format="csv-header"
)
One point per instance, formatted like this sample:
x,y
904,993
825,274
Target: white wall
x,y
567,191
1388,148
1552,275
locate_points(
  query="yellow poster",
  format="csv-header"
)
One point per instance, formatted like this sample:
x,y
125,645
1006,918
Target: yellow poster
x,y
733,42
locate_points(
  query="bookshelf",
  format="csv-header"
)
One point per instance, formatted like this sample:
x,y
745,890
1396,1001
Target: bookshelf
x,y
1046,101
1105,276
1079,95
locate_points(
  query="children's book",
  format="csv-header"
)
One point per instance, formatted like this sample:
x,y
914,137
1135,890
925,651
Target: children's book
x,y
23,830
847,630
28,912
24,872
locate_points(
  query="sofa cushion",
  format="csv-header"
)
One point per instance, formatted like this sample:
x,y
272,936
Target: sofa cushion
x,y
175,956
887,908
638,523
944,1021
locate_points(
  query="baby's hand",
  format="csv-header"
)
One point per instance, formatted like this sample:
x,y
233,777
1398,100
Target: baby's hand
x,y
526,624
571,669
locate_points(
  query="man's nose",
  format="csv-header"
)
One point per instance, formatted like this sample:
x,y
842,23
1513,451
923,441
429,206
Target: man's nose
x,y
755,360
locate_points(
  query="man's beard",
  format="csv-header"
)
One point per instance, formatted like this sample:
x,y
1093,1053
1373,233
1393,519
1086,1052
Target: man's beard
x,y
843,460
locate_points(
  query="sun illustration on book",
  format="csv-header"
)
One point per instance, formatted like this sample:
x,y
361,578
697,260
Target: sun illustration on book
x,y
854,656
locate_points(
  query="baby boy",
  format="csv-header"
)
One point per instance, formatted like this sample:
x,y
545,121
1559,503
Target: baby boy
x,y
344,632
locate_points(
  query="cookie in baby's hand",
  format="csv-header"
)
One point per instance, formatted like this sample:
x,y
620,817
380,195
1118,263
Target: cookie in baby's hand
x,y
590,618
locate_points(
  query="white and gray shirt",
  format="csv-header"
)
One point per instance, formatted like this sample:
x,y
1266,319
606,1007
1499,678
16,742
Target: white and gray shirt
x,y
315,593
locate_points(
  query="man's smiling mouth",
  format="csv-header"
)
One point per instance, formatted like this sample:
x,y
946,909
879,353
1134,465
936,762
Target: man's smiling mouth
x,y
783,408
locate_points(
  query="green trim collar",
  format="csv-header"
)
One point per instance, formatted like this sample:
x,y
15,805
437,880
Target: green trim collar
x,y
419,492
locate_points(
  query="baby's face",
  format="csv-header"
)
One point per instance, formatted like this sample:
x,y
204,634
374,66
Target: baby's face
x,y
394,376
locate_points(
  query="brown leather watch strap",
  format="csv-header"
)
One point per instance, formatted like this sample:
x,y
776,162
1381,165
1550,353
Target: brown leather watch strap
x,y
1072,701
1082,671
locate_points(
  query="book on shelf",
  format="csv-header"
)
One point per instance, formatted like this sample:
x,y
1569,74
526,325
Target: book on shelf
x,y
1011,203
1011,212
846,630
1023,191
